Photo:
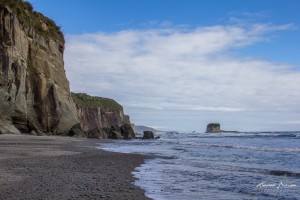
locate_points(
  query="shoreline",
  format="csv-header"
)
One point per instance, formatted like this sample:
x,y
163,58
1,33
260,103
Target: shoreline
x,y
55,167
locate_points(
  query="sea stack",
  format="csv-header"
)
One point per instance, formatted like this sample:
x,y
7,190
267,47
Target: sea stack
x,y
213,128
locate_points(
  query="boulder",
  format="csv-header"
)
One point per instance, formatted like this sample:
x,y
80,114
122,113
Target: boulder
x,y
95,133
148,135
6,127
115,132
76,131
98,133
33,132
115,135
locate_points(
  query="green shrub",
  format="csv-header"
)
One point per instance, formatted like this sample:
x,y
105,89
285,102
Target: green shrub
x,y
88,101
32,19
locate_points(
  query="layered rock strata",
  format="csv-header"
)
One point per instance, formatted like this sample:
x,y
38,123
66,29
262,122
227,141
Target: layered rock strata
x,y
102,117
34,91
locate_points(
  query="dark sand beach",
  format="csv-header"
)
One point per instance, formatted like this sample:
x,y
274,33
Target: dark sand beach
x,y
42,167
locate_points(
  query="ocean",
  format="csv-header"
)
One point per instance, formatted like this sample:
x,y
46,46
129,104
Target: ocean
x,y
233,166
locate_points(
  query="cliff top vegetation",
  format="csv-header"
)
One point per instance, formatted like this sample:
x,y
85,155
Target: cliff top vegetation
x,y
32,19
85,100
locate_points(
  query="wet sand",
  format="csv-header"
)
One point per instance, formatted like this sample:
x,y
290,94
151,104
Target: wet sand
x,y
43,167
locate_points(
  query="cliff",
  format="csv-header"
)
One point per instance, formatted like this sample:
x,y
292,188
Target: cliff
x,y
34,90
102,117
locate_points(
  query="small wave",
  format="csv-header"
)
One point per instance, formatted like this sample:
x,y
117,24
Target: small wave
x,y
251,170
179,149
269,149
294,135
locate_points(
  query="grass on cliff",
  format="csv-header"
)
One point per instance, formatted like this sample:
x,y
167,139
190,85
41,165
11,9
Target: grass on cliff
x,y
88,101
32,19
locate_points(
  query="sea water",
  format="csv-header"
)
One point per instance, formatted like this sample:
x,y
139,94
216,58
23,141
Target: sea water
x,y
218,166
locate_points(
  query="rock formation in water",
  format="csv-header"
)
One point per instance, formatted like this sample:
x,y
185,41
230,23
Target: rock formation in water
x,y
213,128
34,91
140,129
216,128
102,117
148,135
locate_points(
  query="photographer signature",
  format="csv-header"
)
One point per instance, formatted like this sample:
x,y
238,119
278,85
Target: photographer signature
x,y
265,184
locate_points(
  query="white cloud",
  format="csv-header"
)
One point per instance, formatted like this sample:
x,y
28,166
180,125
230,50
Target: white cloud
x,y
182,69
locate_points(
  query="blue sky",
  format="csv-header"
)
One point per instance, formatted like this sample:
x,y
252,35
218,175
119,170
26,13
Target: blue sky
x,y
177,64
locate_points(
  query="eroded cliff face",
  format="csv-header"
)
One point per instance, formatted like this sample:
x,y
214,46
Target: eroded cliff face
x,y
102,117
34,90
98,118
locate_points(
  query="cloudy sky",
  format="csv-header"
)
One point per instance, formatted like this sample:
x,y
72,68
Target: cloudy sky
x,y
178,65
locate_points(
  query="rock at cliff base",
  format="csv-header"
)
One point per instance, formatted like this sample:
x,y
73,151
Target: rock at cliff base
x,y
148,135
115,135
98,133
127,131
6,127
76,131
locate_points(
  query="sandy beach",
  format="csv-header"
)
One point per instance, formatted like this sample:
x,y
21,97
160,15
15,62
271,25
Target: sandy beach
x,y
52,167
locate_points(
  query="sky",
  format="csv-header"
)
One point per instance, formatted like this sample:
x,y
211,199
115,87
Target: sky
x,y
180,64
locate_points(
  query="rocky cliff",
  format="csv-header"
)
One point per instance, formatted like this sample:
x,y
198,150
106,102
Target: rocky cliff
x,y
102,117
34,90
